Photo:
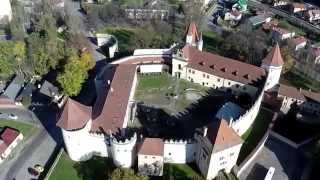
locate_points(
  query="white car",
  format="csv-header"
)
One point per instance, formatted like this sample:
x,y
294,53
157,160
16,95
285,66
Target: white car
x,y
12,116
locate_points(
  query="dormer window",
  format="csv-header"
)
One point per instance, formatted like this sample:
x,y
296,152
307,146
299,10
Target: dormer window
x,y
212,67
224,69
202,63
235,73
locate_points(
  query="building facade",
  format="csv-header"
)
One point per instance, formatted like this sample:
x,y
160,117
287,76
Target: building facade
x,y
5,11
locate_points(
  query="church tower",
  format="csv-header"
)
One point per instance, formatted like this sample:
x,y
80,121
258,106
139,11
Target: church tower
x,y
193,38
273,65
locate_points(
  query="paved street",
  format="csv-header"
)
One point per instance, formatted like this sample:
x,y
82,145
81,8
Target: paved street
x,y
288,163
36,149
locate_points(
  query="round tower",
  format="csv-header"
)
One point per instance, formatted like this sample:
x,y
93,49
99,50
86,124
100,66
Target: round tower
x,y
75,123
123,150
273,65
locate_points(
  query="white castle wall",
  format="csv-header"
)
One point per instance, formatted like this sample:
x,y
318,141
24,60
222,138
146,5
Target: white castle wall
x,y
244,122
123,153
179,151
76,143
153,68
273,76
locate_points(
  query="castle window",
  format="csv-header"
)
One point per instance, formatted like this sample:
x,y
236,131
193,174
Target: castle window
x,y
244,88
193,72
208,76
169,154
221,158
194,154
229,83
218,79
202,83
179,66
237,86
204,75
231,154
189,70
145,157
153,157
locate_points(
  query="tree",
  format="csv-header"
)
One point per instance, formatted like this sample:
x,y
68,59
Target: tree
x,y
86,61
125,174
6,60
73,77
286,53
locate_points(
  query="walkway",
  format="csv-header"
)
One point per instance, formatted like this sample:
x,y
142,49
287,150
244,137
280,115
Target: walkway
x,y
287,161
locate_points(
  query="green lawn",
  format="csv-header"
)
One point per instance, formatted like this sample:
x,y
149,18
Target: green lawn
x,y
286,25
153,82
25,129
254,134
298,80
180,172
96,168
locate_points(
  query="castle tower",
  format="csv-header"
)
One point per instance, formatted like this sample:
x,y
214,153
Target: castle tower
x,y
273,65
219,148
5,10
75,123
193,38
123,150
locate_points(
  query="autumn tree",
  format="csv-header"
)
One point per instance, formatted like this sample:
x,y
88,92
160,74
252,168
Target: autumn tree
x,y
75,73
125,174
287,53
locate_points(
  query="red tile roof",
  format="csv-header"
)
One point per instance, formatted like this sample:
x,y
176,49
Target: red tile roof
x,y
297,40
7,136
274,57
291,92
311,95
223,67
222,136
151,146
74,115
115,106
192,31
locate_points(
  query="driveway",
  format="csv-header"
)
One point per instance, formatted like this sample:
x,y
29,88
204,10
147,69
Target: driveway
x,y
287,161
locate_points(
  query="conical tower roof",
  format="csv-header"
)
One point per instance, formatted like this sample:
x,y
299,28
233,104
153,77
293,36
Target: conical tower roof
x,y
74,115
193,32
274,57
222,136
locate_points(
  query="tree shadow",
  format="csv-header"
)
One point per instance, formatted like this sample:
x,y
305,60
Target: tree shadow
x,y
96,168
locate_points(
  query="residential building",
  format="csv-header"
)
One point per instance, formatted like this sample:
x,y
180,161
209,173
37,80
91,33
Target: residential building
x,y
150,157
259,19
280,3
312,15
297,7
14,87
280,34
9,139
297,43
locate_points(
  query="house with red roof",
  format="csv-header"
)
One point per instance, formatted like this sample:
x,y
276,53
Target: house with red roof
x,y
9,139
150,157
297,43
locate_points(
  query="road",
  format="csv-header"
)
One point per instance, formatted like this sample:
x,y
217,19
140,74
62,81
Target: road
x,y
36,149
291,18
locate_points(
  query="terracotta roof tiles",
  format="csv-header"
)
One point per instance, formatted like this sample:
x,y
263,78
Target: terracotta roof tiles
x,y
74,115
152,146
291,92
7,136
274,57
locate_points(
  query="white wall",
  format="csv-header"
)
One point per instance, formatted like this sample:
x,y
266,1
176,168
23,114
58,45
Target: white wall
x,y
5,9
139,52
179,152
223,160
152,68
123,153
149,160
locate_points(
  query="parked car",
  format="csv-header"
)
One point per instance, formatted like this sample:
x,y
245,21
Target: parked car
x,y
12,116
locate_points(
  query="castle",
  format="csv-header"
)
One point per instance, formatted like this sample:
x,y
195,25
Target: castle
x,y
101,130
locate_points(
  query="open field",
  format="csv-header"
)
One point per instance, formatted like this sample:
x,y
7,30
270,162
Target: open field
x,y
294,78
96,168
180,172
166,92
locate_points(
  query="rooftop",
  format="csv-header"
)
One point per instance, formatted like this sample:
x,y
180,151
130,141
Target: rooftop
x,y
274,57
290,91
222,66
151,146
114,108
8,135
222,136
74,115
192,31
297,40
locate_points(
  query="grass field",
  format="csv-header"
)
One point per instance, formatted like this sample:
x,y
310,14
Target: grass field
x,y
96,168
298,80
253,135
25,129
180,172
